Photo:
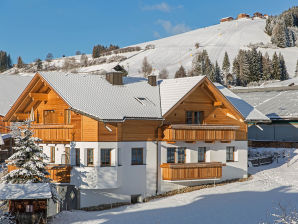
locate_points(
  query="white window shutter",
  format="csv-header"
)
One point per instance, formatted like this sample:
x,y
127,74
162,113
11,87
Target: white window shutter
x,y
236,154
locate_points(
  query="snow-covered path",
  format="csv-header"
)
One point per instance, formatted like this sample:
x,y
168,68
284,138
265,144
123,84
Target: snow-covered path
x,y
241,202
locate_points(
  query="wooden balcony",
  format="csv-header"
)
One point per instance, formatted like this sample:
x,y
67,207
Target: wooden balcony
x,y
191,171
189,132
58,173
53,133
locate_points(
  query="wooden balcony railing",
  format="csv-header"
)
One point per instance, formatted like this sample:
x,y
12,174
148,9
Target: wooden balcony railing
x,y
58,173
191,171
186,132
53,132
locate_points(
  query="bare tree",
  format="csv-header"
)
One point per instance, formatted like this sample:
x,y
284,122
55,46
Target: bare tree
x,y
84,60
49,57
163,74
146,67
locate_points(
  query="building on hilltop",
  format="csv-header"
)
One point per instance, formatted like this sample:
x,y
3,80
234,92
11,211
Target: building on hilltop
x,y
119,139
243,15
226,19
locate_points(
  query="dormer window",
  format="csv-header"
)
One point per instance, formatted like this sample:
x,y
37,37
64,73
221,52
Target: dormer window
x,y
143,100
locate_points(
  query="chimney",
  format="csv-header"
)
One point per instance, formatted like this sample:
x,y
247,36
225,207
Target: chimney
x,y
152,80
115,78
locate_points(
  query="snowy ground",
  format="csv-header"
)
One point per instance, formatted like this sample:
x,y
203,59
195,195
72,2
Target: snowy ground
x,y
242,202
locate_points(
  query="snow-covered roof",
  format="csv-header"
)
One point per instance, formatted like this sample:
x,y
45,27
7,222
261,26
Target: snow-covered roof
x,y
248,111
172,90
95,96
25,191
274,104
11,88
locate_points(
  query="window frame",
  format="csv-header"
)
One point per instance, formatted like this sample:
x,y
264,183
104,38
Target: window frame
x,y
101,157
136,162
174,149
52,154
67,155
204,154
194,117
78,156
88,157
44,116
67,116
228,153
178,154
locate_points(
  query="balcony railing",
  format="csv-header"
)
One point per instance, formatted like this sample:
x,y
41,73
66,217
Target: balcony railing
x,y
191,171
53,132
186,132
58,173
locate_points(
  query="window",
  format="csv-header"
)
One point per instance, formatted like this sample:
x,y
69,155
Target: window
x,y
90,157
67,116
171,155
181,155
144,101
194,117
52,148
188,117
49,117
67,155
105,157
230,153
201,154
78,162
29,208
137,156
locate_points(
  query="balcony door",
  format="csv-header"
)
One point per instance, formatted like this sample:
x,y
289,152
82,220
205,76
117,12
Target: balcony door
x,y
201,154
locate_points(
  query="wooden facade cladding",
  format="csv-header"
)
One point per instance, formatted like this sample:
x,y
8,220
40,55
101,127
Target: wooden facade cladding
x,y
191,171
53,133
217,112
58,173
199,133
4,126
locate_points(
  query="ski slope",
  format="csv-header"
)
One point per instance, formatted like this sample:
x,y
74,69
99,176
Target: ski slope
x,y
247,202
171,52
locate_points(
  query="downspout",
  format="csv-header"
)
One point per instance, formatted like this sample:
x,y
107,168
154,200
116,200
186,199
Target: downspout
x,y
157,158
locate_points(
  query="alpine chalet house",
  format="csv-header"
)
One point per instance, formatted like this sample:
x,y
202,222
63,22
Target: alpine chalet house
x,y
126,138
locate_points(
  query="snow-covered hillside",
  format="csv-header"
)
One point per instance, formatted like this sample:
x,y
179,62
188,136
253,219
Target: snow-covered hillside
x,y
247,202
171,52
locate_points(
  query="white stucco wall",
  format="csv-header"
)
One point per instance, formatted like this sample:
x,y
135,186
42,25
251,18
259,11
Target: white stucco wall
x,y
105,185
216,152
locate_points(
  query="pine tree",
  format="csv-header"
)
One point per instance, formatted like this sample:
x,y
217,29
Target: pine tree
x,y
236,71
255,65
163,74
180,72
28,158
38,64
226,64
276,71
201,64
146,67
266,67
20,62
96,51
217,74
283,69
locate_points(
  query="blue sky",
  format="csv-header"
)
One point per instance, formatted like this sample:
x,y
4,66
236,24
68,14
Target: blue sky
x,y
33,28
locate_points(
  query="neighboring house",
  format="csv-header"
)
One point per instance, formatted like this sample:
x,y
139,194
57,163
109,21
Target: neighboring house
x,y
11,87
127,138
280,104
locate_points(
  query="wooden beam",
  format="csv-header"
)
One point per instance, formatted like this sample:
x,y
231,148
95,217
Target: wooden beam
x,y
39,96
22,116
217,103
